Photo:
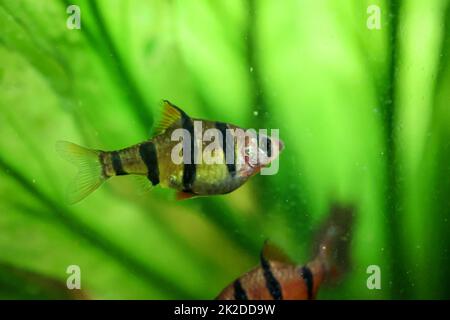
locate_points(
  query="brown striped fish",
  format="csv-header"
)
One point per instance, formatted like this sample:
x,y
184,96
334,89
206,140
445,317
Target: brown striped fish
x,y
278,278
233,162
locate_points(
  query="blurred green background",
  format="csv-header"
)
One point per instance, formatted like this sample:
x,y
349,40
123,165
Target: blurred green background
x,y
364,115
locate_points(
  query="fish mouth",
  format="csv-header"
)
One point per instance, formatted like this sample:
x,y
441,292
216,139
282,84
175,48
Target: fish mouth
x,y
280,146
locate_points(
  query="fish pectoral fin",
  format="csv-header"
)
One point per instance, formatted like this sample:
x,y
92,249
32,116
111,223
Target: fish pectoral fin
x,y
169,116
181,195
272,252
144,185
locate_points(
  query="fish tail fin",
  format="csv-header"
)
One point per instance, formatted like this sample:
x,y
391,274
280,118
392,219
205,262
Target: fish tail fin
x,y
333,240
90,172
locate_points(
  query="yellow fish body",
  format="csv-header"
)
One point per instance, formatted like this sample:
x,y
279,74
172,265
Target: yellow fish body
x,y
154,158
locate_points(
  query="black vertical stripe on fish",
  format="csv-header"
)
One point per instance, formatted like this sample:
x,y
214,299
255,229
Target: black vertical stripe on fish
x,y
117,163
269,147
148,154
308,277
239,291
101,159
272,283
227,145
266,144
189,169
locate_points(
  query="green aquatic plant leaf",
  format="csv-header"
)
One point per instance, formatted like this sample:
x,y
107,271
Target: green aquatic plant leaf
x,y
363,114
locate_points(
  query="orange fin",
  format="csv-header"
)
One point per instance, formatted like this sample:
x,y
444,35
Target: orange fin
x,y
184,195
333,240
274,253
170,115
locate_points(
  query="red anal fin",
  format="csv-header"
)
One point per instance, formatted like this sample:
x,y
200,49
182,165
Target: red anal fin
x,y
184,195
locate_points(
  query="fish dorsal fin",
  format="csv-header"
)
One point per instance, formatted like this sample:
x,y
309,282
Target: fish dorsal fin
x,y
170,114
274,253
